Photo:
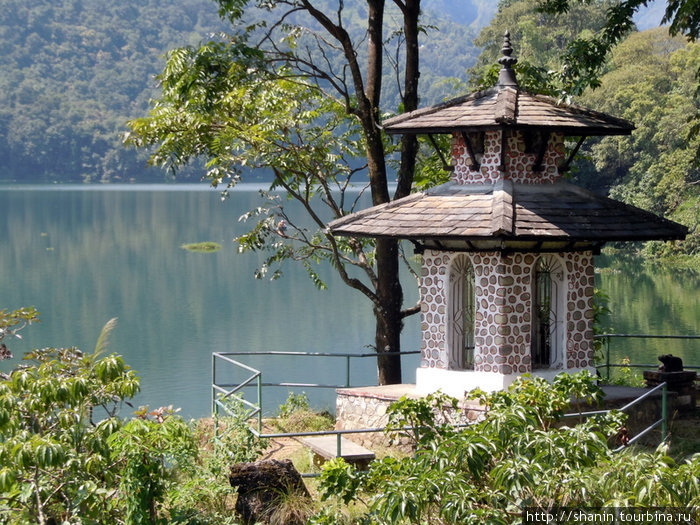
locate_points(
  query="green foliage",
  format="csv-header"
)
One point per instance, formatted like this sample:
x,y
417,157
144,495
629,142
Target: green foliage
x,y
625,375
585,58
294,403
66,456
201,494
296,415
650,82
649,78
150,449
521,454
74,72
12,322
433,161
55,454
219,102
233,436
420,420
601,314
539,39
202,247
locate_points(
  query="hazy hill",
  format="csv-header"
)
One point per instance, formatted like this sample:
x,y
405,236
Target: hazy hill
x,y
73,72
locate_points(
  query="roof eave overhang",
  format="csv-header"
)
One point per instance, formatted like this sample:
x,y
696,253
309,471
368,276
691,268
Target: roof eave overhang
x,y
524,243
567,131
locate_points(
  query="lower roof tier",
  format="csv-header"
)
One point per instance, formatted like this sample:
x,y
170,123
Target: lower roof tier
x,y
508,216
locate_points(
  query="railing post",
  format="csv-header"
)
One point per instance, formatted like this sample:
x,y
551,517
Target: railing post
x,y
214,405
260,403
213,382
664,412
338,446
607,357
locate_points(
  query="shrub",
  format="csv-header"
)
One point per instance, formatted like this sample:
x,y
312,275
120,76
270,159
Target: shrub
x,y
56,418
522,454
296,415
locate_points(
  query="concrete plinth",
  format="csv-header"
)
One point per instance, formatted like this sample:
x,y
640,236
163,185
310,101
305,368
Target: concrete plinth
x,y
366,407
683,383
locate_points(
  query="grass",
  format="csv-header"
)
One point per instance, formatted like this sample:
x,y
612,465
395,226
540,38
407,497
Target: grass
x,y
296,415
202,247
685,436
305,421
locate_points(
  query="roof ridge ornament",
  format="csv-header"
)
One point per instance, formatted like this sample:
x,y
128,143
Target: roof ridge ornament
x,y
506,77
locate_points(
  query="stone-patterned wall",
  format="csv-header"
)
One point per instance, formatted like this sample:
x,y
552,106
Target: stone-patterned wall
x,y
518,163
355,411
503,298
579,314
433,293
503,288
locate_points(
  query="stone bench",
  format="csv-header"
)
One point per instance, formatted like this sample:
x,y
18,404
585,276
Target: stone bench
x,y
326,447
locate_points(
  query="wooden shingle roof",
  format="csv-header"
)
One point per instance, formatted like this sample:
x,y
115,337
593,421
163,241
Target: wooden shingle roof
x,y
525,216
507,106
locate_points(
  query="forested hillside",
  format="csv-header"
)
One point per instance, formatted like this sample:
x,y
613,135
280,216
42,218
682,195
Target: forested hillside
x,y
73,73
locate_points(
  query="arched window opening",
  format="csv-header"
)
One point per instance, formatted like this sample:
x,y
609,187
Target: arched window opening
x,y
462,308
547,313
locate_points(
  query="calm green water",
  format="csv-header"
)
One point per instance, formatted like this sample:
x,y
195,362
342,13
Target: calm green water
x,y
647,300
82,255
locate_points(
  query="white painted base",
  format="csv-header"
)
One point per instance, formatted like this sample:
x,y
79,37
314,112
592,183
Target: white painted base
x,y
456,382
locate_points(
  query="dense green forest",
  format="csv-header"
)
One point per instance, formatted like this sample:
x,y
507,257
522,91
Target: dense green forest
x,y
74,72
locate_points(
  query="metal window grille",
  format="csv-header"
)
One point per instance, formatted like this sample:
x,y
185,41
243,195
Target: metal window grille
x,y
462,307
545,337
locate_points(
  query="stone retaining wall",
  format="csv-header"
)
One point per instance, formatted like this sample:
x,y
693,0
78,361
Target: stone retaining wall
x,y
363,408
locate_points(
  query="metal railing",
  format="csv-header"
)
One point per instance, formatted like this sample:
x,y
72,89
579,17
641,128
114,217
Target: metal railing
x,y
224,391
663,421
221,392
606,338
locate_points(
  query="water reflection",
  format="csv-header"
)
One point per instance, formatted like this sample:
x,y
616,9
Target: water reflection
x,y
647,299
82,255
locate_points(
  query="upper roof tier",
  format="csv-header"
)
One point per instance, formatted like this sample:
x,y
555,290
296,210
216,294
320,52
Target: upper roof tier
x,y
507,105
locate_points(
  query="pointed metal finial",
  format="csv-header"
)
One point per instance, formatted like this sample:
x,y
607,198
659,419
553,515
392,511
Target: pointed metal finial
x,y
506,76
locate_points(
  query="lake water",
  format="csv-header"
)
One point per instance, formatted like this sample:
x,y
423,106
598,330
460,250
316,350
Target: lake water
x,y
85,254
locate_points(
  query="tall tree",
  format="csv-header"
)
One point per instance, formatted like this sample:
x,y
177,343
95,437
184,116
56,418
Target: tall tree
x,y
585,58
650,82
301,96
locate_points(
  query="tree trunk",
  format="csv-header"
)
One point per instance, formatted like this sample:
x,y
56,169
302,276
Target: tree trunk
x,y
409,141
264,487
388,312
388,296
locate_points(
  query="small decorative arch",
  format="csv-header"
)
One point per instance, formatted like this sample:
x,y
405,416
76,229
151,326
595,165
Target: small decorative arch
x,y
462,305
548,313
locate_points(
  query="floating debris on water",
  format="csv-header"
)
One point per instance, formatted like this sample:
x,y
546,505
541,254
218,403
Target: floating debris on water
x,y
202,247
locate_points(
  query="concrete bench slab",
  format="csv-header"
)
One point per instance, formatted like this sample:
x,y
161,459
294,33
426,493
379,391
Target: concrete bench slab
x,y
326,447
